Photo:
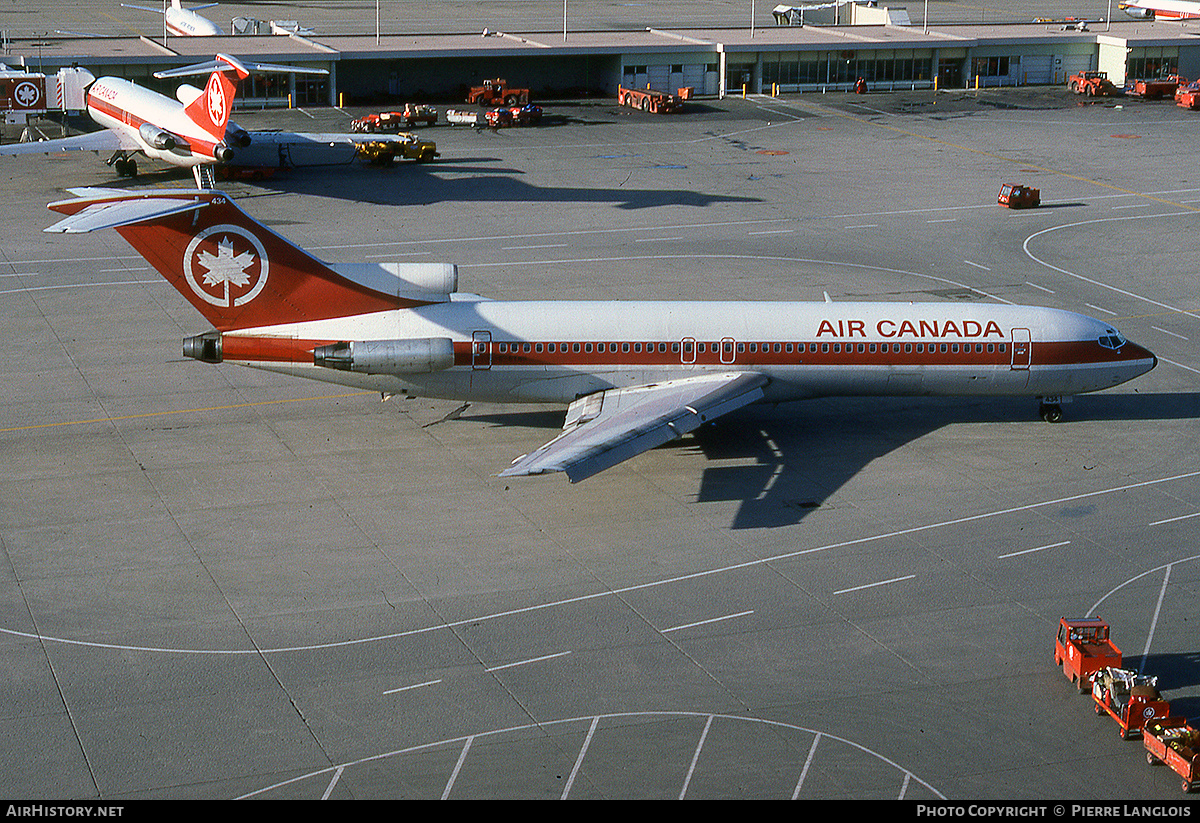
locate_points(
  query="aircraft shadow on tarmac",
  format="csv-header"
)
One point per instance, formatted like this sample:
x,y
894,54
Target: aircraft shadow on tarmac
x,y
412,184
409,184
802,452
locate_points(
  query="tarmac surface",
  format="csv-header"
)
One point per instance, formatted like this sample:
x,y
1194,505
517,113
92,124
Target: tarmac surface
x,y
221,583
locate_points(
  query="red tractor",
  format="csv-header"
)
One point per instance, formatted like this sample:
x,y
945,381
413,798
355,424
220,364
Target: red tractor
x,y
1015,196
1091,84
1083,648
497,93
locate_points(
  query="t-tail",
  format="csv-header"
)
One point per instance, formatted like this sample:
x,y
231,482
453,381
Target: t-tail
x,y
238,273
211,109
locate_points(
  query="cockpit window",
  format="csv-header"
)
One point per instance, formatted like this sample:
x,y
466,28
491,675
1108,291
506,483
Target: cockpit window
x,y
1112,340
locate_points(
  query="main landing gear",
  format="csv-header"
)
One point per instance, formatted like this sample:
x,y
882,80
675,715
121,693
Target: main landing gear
x,y
1050,408
125,165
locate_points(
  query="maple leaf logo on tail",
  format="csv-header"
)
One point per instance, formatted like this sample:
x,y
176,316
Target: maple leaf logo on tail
x,y
210,111
226,265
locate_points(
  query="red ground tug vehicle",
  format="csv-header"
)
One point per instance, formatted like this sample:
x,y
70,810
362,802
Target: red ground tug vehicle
x,y
1156,87
1130,698
655,102
1083,648
1014,196
1173,741
497,93
1092,84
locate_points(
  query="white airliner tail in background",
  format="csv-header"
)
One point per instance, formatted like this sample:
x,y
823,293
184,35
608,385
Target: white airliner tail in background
x,y
632,374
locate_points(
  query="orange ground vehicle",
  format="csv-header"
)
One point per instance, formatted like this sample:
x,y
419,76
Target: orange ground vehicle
x,y
1188,96
1092,84
1083,648
1015,196
1173,741
394,120
497,93
1130,698
655,102
1157,87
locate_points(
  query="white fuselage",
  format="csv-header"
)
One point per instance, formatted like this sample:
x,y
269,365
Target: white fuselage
x,y
556,351
184,23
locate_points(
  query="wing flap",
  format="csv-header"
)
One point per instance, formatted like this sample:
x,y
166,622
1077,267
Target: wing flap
x,y
606,428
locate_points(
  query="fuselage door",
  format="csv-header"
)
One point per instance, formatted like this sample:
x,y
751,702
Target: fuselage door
x,y
481,350
728,350
687,351
1021,349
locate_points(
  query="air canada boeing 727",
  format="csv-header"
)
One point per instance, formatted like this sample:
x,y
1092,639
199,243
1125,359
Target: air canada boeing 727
x,y
195,130
633,375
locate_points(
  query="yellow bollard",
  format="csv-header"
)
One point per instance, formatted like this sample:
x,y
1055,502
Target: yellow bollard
x,y
743,91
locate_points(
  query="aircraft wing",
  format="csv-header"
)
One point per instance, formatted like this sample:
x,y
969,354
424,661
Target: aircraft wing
x,y
605,428
105,140
282,149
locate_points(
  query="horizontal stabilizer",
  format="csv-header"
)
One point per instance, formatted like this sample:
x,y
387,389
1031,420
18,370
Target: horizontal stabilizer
x,y
100,212
604,429
244,68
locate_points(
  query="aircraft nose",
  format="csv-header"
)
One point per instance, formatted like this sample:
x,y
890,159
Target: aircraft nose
x,y
1137,353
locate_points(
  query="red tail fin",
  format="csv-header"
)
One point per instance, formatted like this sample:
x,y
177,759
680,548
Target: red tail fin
x,y
238,273
210,111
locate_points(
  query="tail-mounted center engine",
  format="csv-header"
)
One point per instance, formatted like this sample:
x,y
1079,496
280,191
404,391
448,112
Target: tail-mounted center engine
x,y
414,356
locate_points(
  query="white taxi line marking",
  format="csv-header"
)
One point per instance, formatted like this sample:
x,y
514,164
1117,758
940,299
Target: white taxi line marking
x,y
1174,519
527,662
873,585
1030,551
706,622
413,686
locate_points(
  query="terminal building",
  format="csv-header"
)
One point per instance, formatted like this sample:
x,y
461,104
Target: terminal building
x,y
833,47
